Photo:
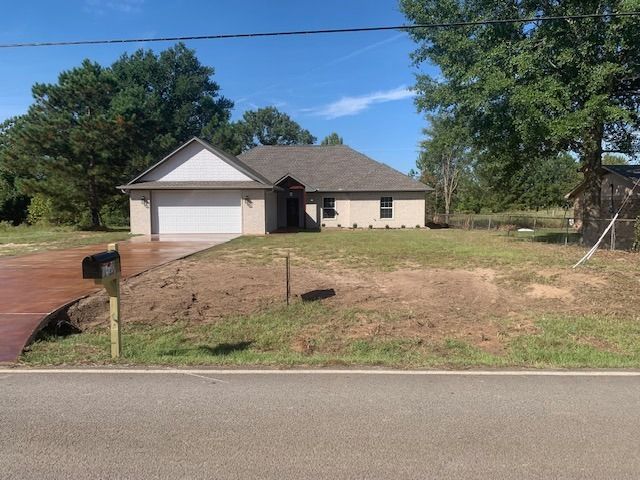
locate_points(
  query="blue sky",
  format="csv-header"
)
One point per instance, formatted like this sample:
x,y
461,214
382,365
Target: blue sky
x,y
353,83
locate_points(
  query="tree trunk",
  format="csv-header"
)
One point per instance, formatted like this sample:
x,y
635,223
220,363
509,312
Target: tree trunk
x,y
591,164
94,204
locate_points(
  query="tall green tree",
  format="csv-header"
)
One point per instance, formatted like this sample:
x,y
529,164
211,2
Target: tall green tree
x,y
544,183
13,203
531,91
265,126
332,139
445,158
613,159
269,126
97,126
73,141
170,97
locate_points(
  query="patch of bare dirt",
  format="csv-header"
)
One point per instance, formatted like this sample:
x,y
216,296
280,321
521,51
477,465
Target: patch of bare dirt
x,y
537,290
474,305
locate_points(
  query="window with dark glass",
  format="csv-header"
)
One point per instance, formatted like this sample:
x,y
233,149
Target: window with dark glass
x,y
386,207
329,208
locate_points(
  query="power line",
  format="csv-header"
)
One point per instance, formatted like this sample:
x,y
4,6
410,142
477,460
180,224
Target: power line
x,y
321,31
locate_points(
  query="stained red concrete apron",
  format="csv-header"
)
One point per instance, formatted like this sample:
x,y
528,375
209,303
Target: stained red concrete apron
x,y
34,286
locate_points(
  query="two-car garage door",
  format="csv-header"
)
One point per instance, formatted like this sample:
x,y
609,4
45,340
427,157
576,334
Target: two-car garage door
x,y
196,211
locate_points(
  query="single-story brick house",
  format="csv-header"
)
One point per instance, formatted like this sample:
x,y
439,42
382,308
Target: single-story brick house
x,y
199,188
617,181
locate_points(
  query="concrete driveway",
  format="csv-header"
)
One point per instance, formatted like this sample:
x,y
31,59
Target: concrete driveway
x,y
36,285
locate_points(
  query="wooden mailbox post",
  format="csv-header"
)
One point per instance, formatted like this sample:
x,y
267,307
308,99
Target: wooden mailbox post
x,y
104,269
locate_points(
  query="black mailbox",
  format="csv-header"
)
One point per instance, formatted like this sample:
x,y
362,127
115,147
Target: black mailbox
x,y
103,265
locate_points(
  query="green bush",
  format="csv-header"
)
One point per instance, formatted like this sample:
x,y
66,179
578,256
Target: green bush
x,y
636,235
115,215
5,226
40,210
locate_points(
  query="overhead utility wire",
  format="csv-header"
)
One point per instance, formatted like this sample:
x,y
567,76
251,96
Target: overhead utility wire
x,y
322,31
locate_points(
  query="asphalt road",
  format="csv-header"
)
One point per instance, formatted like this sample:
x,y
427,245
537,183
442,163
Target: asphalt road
x,y
328,426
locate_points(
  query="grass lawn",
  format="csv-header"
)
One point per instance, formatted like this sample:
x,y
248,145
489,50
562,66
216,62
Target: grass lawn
x,y
29,239
404,298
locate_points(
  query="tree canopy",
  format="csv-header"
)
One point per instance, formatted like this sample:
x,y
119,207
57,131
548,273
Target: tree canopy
x,y
533,91
265,126
13,203
332,139
96,127
445,158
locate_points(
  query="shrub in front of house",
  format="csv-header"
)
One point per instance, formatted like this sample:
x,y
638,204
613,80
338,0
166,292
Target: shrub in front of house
x,y
403,226
339,226
355,225
324,225
370,227
417,226
387,227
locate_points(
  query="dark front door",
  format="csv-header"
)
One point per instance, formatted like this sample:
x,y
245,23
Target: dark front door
x,y
293,212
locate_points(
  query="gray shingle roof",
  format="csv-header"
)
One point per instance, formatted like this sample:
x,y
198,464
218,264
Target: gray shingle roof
x,y
629,171
328,168
195,185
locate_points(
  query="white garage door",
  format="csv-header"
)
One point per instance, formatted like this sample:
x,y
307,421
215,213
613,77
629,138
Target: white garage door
x,y
196,211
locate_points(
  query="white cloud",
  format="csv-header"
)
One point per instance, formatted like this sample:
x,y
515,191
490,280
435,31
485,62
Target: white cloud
x,y
100,7
354,105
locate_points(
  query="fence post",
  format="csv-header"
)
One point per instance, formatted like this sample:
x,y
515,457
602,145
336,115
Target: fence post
x,y
489,227
473,221
613,236
533,237
288,275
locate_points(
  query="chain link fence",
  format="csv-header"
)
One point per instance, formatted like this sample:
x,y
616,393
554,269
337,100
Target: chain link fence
x,y
540,228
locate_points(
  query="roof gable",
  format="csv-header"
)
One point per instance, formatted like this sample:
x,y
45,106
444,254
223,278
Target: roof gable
x,y
198,161
630,173
328,168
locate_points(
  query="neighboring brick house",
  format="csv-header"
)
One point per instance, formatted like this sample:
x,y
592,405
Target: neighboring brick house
x,y
199,188
617,181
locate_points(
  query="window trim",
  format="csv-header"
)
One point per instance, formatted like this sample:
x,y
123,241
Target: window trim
x,y
335,212
391,208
